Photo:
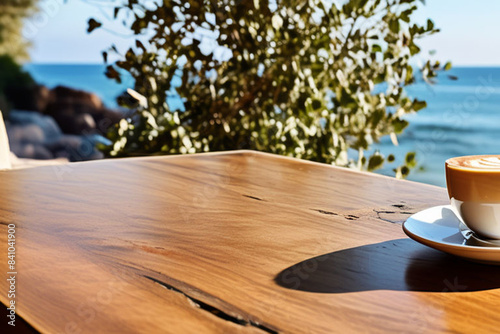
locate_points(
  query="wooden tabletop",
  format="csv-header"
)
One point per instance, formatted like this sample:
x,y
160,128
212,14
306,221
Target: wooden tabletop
x,y
239,242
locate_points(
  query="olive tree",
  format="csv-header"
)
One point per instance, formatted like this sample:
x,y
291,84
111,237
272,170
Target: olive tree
x,y
12,14
309,79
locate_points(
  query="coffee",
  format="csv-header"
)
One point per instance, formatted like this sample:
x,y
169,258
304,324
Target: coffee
x,y
474,178
476,161
473,184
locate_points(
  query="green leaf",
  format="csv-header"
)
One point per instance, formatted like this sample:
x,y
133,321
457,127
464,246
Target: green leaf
x,y
410,159
375,162
394,26
414,49
402,172
399,125
430,24
419,105
405,15
409,74
447,66
113,74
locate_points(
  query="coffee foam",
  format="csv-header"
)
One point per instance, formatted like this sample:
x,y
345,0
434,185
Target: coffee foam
x,y
477,162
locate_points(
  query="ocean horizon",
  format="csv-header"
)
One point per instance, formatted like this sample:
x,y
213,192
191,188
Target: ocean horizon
x,y
462,116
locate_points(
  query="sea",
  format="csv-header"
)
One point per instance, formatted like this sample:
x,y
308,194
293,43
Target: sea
x,y
462,116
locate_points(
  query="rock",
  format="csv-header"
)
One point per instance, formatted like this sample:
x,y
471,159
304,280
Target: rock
x,y
69,123
51,130
33,98
36,136
80,112
29,132
31,151
42,96
75,96
76,123
24,134
75,111
75,148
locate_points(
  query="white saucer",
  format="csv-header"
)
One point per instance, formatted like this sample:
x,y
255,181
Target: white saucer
x,y
439,228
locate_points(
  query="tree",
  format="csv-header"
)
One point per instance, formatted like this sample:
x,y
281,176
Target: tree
x,y
13,47
12,14
308,79
13,79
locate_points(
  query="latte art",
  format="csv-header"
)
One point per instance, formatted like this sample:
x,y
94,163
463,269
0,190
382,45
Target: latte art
x,y
492,162
477,162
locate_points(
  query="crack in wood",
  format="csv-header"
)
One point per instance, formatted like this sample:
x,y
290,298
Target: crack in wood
x,y
348,217
378,212
391,212
255,198
402,207
213,310
326,212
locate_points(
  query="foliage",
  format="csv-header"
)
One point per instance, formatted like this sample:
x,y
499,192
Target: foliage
x,y
12,76
12,14
299,78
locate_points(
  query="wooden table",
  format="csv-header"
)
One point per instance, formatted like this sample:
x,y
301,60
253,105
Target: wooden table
x,y
240,242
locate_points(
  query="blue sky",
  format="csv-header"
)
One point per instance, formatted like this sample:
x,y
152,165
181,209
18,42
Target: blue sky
x,y
469,32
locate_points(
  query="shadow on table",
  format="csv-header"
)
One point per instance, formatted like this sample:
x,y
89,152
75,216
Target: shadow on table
x,y
400,264
21,326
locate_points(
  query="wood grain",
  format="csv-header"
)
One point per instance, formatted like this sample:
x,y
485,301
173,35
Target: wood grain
x,y
241,242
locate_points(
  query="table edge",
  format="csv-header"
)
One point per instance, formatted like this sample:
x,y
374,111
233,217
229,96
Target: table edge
x,y
244,152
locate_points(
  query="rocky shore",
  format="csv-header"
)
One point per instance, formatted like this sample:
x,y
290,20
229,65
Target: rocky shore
x,y
58,123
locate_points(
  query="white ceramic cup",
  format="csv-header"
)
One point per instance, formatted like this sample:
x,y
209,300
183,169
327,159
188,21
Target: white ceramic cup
x,y
473,184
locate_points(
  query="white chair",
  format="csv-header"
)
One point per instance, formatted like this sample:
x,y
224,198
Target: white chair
x,y
4,146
